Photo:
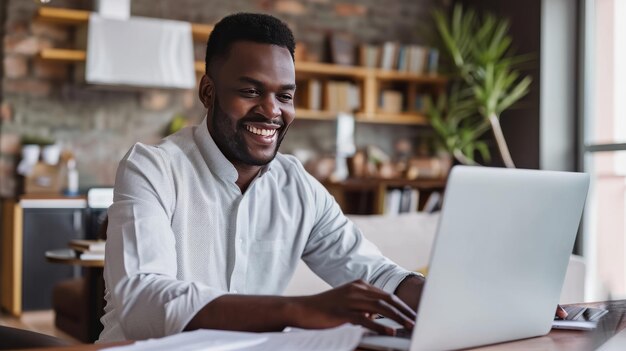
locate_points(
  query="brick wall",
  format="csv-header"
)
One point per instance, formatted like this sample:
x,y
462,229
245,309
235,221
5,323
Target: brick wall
x,y
42,100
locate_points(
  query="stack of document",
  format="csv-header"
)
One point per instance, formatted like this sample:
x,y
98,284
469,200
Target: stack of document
x,y
88,249
345,337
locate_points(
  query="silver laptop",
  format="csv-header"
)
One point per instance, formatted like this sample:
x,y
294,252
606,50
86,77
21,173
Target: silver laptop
x,y
499,258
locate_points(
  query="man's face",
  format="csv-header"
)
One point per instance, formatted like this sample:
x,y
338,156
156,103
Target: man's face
x,y
252,101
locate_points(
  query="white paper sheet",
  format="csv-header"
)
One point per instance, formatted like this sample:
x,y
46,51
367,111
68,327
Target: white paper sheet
x,y
342,338
345,337
204,339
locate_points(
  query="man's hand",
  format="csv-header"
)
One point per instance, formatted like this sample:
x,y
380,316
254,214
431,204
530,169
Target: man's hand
x,y
560,312
356,303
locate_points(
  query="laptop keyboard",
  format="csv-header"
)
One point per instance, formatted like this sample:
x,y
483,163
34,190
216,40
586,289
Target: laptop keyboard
x,y
575,313
404,333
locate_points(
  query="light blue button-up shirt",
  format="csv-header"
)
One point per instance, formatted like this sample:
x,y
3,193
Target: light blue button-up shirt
x,y
181,234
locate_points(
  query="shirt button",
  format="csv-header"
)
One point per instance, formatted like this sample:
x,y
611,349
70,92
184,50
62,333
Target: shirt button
x,y
241,241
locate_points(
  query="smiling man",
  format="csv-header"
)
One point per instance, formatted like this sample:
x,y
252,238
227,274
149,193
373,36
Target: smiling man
x,y
207,227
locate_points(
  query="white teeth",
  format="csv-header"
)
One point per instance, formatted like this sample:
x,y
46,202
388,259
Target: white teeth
x,y
264,132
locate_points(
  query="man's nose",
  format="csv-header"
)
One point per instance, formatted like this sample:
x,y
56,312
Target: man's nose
x,y
269,107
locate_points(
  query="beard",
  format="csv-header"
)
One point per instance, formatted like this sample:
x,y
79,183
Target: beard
x,y
229,137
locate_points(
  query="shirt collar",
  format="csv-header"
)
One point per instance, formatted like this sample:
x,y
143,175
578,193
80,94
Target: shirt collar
x,y
213,156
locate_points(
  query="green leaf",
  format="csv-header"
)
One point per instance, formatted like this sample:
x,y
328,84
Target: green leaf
x,y
485,79
483,149
516,93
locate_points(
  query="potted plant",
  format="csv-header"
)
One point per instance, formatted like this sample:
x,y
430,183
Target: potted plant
x,y
485,81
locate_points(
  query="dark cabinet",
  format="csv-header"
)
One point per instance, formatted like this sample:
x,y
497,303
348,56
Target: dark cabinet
x,y
47,229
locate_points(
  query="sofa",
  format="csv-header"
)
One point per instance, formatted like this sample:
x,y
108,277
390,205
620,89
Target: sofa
x,y
407,239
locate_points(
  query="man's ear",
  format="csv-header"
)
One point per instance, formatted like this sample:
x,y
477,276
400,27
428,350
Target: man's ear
x,y
206,92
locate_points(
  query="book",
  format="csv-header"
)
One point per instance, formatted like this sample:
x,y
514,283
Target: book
x,y
391,101
314,95
418,58
433,61
342,96
409,200
389,52
369,55
433,203
92,255
414,200
342,49
82,245
402,64
420,103
392,201
405,200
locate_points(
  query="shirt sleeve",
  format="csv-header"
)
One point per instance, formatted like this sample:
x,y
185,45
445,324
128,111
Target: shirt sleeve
x,y
140,269
338,252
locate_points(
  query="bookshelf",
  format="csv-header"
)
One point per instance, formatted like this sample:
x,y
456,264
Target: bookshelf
x,y
368,195
368,83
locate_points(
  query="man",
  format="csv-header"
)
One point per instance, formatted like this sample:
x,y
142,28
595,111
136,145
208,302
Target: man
x,y
207,227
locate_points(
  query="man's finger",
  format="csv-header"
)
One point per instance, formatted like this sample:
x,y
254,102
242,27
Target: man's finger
x,y
377,327
393,300
560,312
385,309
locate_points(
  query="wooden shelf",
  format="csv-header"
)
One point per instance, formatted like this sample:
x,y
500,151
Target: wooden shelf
x,y
62,16
72,55
318,68
372,183
380,118
199,67
63,55
410,77
389,118
302,113
57,15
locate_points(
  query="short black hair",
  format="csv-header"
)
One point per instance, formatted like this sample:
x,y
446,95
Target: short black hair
x,y
255,27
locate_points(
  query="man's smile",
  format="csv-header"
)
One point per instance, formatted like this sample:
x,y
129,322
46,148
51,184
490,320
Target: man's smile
x,y
261,131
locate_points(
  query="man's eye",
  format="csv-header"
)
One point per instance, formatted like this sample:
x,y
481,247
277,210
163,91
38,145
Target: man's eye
x,y
250,92
285,97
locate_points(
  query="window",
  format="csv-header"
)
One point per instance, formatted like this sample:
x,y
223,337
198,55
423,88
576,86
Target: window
x,y
604,148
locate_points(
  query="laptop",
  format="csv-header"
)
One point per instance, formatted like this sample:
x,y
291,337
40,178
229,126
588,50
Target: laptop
x,y
498,261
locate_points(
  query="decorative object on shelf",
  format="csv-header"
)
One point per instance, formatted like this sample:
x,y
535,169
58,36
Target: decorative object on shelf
x,y
71,187
357,164
487,82
321,167
428,167
301,52
342,49
345,145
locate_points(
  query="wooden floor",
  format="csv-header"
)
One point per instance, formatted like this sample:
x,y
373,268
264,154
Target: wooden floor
x,y
37,321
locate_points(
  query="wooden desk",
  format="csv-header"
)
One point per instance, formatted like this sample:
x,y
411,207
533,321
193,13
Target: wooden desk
x,y
556,340
94,282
